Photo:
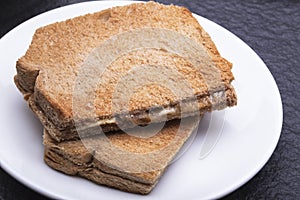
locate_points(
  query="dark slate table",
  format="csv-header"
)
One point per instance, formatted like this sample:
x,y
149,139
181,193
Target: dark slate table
x,y
272,29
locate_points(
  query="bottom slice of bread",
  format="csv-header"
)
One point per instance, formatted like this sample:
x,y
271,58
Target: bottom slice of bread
x,y
88,171
132,163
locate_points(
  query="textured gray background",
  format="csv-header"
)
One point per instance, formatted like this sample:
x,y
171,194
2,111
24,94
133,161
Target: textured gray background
x,y
272,30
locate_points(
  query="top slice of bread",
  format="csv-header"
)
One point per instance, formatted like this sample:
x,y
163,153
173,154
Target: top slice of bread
x,y
52,64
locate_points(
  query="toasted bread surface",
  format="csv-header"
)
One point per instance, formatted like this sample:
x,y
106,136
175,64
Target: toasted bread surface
x,y
51,66
127,162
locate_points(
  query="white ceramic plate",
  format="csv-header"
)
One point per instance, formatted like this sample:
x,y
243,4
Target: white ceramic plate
x,y
249,134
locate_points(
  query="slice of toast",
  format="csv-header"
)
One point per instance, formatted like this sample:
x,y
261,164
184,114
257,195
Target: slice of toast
x,y
119,160
53,70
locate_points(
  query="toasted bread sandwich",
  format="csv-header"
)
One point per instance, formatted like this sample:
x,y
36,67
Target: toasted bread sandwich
x,y
82,73
118,160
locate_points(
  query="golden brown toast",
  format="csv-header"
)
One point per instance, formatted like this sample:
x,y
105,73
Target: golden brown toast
x,y
53,70
119,160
